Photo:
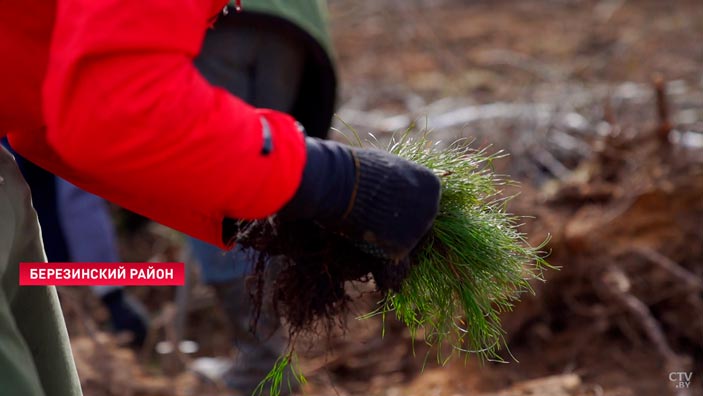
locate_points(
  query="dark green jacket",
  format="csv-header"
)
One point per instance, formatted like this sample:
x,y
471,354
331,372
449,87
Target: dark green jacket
x,y
309,15
306,19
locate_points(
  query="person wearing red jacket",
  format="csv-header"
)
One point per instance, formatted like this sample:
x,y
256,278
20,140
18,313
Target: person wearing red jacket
x,y
105,95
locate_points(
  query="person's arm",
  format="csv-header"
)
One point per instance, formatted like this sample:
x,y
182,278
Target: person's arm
x,y
129,118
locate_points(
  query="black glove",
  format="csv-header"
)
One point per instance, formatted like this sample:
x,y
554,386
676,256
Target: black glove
x,y
376,199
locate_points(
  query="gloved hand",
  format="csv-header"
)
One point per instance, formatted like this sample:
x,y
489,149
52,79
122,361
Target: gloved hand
x,y
374,198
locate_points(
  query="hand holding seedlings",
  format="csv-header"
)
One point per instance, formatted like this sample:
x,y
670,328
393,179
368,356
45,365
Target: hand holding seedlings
x,y
379,201
383,202
469,265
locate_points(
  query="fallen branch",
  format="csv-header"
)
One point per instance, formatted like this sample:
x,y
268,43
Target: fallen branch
x,y
615,284
687,277
665,126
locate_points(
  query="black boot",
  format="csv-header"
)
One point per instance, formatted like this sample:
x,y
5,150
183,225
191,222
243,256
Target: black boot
x,y
127,314
259,348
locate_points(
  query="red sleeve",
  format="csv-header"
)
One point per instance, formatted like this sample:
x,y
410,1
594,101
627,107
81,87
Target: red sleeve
x,y
130,118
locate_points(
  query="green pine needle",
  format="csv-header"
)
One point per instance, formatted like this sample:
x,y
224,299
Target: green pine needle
x,y
284,371
474,264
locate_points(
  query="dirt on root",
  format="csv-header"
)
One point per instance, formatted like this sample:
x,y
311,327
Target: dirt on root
x,y
305,268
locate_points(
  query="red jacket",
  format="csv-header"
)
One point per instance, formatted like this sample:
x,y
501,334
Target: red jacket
x,y
104,94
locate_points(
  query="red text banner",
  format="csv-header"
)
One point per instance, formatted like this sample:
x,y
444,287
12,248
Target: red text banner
x,y
102,274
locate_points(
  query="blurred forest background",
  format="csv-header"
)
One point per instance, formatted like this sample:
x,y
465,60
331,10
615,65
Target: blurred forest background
x,y
600,105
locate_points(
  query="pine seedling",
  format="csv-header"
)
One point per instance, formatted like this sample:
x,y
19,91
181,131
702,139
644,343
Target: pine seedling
x,y
473,265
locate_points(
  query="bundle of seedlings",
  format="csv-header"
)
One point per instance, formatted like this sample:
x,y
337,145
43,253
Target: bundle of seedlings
x,y
471,266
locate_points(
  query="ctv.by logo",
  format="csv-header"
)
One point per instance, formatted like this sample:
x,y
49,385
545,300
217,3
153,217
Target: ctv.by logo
x,y
681,379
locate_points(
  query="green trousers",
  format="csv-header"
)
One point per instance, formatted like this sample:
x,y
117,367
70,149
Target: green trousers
x,y
35,354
